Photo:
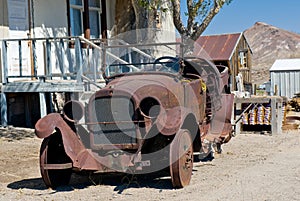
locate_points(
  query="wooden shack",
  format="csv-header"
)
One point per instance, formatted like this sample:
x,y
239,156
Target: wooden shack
x,y
230,50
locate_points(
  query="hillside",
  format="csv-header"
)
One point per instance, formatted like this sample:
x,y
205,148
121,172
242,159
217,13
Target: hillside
x,y
269,43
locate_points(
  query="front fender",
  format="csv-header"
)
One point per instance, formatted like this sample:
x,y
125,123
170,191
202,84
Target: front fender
x,y
82,158
45,126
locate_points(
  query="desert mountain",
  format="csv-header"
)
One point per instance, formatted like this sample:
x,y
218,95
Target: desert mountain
x,y
269,43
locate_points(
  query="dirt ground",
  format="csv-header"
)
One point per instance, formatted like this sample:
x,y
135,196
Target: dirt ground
x,y
253,166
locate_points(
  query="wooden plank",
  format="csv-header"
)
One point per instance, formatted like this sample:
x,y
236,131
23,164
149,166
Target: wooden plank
x,y
258,99
42,87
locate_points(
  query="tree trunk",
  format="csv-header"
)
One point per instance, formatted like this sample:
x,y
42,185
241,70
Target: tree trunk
x,y
124,18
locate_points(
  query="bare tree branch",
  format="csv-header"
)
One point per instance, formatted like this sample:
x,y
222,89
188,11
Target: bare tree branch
x,y
199,29
190,14
177,18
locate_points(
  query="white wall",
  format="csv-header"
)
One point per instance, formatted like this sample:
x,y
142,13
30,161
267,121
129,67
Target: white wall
x,y
50,18
4,32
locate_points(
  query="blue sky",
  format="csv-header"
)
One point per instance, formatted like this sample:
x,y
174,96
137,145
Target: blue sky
x,y
242,14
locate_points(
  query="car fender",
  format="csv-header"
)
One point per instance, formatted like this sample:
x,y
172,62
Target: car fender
x,y
170,121
82,158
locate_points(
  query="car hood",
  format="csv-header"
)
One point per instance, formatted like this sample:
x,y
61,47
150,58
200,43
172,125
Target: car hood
x,y
164,87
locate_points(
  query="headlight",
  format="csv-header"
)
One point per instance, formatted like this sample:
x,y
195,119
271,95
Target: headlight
x,y
150,107
73,110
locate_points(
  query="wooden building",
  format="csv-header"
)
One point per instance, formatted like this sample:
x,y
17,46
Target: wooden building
x,y
231,50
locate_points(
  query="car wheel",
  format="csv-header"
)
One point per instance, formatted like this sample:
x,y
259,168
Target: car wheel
x,y
181,159
55,165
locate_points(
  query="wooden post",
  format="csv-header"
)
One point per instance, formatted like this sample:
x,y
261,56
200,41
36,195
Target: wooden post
x,y
273,116
86,20
276,115
49,60
233,118
3,109
238,110
280,115
61,58
5,62
34,57
78,58
20,58
103,20
43,106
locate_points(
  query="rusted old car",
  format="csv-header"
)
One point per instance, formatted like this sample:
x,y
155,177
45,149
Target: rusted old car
x,y
143,121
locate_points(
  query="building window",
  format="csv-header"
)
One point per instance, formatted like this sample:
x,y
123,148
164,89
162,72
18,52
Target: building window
x,y
76,17
243,58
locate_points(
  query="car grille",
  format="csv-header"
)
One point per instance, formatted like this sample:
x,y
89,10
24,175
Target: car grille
x,y
114,117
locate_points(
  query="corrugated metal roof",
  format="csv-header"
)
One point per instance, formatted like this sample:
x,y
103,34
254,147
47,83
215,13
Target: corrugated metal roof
x,y
219,47
286,65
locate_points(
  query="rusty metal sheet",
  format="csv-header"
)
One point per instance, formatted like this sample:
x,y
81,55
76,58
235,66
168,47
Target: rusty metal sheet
x,y
219,47
221,127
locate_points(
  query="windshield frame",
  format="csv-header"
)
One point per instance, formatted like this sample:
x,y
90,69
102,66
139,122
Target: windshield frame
x,y
166,64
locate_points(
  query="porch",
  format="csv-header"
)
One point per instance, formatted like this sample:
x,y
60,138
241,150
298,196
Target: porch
x,y
35,70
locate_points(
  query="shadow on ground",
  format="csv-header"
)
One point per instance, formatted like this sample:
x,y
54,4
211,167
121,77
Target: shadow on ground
x,y
13,133
34,184
120,182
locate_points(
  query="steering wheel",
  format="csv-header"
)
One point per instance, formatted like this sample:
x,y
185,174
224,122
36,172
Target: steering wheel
x,y
166,63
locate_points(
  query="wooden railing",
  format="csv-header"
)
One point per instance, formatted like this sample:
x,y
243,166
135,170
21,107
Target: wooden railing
x,y
64,58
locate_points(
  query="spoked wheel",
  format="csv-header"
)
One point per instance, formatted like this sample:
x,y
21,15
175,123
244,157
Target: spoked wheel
x,y
55,165
181,159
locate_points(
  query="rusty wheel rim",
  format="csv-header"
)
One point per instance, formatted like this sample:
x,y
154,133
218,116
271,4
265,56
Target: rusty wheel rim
x,y
43,161
181,159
